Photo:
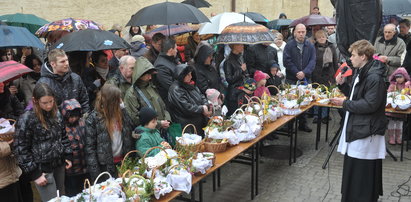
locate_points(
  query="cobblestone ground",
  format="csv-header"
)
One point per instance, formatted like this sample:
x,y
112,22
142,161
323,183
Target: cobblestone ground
x,y
304,180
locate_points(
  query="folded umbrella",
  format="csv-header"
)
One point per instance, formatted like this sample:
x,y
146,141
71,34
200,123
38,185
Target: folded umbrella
x,y
69,24
221,21
11,70
29,21
167,13
312,20
245,33
90,40
197,3
11,37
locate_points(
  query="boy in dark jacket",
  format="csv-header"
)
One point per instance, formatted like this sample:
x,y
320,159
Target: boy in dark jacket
x,y
147,134
75,130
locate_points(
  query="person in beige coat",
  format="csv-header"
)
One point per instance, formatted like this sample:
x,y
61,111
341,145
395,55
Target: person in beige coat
x,y
9,175
390,48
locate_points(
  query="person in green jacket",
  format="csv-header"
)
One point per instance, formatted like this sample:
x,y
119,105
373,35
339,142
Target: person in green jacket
x,y
147,134
143,93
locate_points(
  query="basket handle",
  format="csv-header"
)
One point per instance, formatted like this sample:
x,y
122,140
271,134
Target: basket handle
x,y
185,127
275,87
101,174
151,149
14,121
125,157
87,183
255,97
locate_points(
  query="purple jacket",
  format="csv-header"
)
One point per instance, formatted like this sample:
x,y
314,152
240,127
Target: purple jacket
x,y
294,61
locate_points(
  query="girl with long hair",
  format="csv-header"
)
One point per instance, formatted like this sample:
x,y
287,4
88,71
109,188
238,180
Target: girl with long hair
x,y
108,132
41,144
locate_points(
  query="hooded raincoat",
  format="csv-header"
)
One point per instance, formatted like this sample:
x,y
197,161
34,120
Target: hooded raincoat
x,y
134,101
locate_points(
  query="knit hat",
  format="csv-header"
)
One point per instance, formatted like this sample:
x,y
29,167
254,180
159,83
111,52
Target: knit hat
x,y
250,84
146,115
139,38
212,95
259,75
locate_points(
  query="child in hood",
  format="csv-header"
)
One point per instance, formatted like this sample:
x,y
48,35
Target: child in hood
x,y
261,79
216,99
75,129
246,91
147,135
275,78
399,80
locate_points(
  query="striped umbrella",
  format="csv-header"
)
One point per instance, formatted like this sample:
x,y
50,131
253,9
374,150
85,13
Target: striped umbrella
x,y
11,70
245,33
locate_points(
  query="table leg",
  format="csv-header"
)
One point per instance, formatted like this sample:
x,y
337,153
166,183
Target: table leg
x,y
218,177
328,124
200,187
319,120
295,140
252,171
257,159
214,182
290,133
193,194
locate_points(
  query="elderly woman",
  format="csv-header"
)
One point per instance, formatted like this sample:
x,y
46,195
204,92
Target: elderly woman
x,y
187,103
325,67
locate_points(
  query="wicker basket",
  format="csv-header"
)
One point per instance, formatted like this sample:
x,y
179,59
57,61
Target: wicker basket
x,y
125,157
5,137
214,147
192,148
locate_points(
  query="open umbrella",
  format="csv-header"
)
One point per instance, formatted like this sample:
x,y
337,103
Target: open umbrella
x,y
29,21
278,23
221,21
245,33
167,13
311,20
396,7
197,3
90,40
170,30
69,24
256,17
10,70
11,36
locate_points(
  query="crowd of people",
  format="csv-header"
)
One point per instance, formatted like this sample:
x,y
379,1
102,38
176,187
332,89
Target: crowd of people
x,y
79,113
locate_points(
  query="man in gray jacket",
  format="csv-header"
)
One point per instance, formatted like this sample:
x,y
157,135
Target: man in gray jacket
x,y
390,48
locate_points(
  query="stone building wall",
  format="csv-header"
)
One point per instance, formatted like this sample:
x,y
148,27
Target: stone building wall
x,y
108,12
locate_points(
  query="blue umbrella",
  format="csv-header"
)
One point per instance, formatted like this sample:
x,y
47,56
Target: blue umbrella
x,y
11,36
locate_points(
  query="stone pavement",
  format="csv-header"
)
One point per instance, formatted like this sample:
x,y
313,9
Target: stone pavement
x,y
304,180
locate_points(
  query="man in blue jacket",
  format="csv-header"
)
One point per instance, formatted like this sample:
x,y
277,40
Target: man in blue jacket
x,y
299,61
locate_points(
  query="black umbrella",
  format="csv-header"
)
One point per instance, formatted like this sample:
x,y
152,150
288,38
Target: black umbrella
x,y
278,23
197,3
256,17
396,7
167,13
90,40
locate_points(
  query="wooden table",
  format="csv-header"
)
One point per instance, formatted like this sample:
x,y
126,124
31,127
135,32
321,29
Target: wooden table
x,y
234,151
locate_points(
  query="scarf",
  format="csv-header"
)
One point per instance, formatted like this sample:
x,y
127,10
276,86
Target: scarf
x,y
102,72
